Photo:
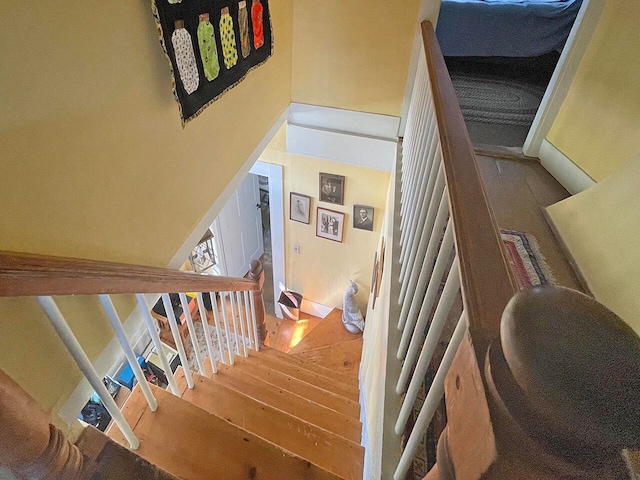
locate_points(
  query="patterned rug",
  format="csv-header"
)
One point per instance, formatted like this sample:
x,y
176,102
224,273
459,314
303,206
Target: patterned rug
x,y
495,100
202,344
527,263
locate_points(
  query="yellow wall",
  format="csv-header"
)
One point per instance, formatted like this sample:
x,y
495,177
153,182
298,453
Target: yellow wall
x,y
353,55
598,125
322,269
95,163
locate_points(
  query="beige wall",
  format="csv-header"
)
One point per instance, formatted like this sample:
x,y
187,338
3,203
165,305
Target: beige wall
x,y
322,269
95,163
353,55
598,125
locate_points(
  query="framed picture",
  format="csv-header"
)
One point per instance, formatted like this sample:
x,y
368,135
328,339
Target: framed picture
x,y
329,224
363,217
299,207
332,188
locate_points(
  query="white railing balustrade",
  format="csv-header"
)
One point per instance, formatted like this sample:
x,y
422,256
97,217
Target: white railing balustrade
x,y
243,319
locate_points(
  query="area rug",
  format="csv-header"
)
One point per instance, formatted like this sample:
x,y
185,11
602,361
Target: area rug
x,y
202,344
528,264
495,100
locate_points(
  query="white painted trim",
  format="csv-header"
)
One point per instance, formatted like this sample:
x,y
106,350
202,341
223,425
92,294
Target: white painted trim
x,y
109,362
570,176
314,308
197,233
429,10
344,121
562,78
276,218
349,148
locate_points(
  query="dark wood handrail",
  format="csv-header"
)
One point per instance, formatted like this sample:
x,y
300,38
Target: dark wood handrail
x,y
487,280
23,274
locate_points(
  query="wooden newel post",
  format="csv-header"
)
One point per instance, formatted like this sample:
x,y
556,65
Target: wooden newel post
x,y
29,445
564,380
257,274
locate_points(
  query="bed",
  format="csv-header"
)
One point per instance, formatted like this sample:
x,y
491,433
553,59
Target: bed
x,y
504,28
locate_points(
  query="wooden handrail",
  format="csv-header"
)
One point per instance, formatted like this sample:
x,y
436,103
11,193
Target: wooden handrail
x,y
23,274
487,281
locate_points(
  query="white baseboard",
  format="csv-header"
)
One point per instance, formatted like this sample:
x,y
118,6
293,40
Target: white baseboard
x,y
314,308
570,176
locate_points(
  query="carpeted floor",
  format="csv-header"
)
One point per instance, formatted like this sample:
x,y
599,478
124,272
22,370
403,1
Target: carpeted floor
x,y
499,97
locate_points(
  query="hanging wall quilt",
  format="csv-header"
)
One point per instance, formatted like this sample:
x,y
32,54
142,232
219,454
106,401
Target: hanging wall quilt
x,y
211,45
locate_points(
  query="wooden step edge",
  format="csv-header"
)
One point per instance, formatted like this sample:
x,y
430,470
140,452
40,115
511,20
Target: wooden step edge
x,y
277,380
252,362
327,372
308,376
191,443
290,403
318,446
345,357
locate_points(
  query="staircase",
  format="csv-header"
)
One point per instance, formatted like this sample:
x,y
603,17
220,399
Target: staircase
x,y
272,415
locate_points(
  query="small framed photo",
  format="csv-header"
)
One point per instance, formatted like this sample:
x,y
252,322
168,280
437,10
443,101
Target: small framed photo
x,y
363,217
330,224
332,188
299,207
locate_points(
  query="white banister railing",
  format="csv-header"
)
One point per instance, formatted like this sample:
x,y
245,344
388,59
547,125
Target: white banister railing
x,y
86,367
241,328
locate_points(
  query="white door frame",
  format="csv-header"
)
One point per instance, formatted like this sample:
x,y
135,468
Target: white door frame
x,y
583,28
276,217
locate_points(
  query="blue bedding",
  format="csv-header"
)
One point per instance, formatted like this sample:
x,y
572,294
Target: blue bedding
x,y
504,28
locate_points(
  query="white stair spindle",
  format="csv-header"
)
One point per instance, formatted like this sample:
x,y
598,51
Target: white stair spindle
x,y
114,319
247,315
85,365
416,200
192,332
171,316
241,320
420,174
451,289
232,301
424,292
254,322
223,310
207,332
431,402
424,224
216,321
151,328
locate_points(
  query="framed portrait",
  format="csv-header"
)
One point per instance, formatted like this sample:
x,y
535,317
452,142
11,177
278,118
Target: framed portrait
x,y
329,224
299,207
363,217
331,188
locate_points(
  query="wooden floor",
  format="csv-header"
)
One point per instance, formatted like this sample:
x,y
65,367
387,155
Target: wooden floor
x,y
518,190
272,415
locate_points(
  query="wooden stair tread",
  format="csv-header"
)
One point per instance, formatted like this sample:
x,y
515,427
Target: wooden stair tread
x,y
319,446
313,367
192,444
303,408
301,373
280,380
343,357
328,332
